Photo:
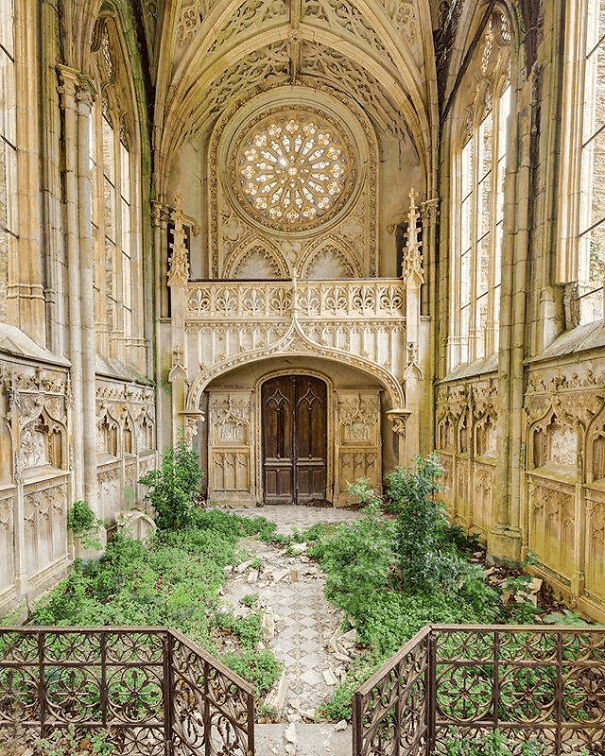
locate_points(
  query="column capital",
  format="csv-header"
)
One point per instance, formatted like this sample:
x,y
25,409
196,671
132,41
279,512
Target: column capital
x,y
429,210
74,86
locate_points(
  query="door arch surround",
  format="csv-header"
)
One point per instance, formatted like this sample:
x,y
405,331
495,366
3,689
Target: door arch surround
x,y
294,371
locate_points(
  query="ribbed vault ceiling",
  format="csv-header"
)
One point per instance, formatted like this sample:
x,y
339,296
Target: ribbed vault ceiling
x,y
215,52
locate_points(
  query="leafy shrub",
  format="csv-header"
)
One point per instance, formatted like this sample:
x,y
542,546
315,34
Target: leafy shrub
x,y
80,518
175,487
248,629
83,523
260,668
420,525
357,558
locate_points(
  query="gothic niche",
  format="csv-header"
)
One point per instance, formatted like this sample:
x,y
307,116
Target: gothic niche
x,y
145,433
107,436
555,444
446,433
6,456
128,437
463,434
42,444
329,263
485,437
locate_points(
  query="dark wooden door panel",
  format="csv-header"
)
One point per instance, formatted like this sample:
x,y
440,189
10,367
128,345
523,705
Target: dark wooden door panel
x,y
310,439
294,427
278,400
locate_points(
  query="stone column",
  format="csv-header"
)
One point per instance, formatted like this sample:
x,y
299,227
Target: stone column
x,y
20,551
84,97
68,84
178,278
413,275
160,365
428,342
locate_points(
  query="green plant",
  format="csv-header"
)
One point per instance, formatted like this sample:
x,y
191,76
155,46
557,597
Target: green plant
x,y
70,742
421,523
364,493
175,487
83,523
249,599
491,744
247,629
171,580
261,668
357,558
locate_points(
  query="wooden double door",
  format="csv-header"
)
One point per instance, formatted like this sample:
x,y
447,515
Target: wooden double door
x,y
294,435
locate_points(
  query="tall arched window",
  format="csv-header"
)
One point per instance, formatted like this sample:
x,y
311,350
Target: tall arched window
x,y
8,150
591,227
479,145
116,167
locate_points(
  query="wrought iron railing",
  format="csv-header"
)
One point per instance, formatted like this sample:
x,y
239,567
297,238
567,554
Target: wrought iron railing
x,y
451,682
150,690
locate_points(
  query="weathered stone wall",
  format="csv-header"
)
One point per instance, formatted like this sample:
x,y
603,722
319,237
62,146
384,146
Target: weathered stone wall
x,y
72,426
534,482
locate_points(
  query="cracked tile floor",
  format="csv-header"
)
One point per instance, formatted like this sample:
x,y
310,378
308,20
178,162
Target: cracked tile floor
x,y
304,621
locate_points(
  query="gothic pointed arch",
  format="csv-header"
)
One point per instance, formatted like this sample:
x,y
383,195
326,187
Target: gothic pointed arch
x,y
256,259
329,259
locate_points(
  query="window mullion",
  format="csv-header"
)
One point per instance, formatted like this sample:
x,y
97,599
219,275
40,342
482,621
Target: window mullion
x,y
492,318
475,171
118,251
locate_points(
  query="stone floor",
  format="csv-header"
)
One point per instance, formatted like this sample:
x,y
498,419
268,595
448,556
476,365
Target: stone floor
x,y
301,628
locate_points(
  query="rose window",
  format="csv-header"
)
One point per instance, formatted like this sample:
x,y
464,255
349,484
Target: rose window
x,y
293,171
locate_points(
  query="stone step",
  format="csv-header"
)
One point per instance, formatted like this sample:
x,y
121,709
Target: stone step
x,y
302,739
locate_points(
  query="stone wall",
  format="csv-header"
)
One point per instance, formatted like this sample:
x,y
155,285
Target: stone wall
x,y
522,444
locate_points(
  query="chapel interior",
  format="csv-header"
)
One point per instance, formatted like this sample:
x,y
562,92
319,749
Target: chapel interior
x,y
313,238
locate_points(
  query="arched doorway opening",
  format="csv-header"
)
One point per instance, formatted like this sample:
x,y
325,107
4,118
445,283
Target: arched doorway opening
x,y
294,420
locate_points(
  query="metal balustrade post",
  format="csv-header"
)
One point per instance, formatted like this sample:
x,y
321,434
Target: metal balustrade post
x,y
431,692
250,725
104,690
168,684
496,678
42,690
559,694
357,723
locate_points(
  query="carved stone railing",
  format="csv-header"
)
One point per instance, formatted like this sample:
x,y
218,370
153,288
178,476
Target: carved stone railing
x,y
362,318
150,690
372,298
457,682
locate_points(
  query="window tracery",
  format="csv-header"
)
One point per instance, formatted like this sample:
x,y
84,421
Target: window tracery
x,y
293,169
591,225
478,167
8,150
116,168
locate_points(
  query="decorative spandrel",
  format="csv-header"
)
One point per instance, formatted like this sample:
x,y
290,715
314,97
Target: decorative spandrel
x,y
293,169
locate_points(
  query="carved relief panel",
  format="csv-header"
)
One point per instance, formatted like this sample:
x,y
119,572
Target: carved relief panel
x,y
45,516
595,548
358,442
230,446
7,562
551,526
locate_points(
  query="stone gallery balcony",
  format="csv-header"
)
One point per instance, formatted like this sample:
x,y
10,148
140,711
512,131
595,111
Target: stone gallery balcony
x,y
359,321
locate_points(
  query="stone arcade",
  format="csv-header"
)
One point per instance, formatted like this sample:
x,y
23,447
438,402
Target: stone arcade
x,y
318,237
